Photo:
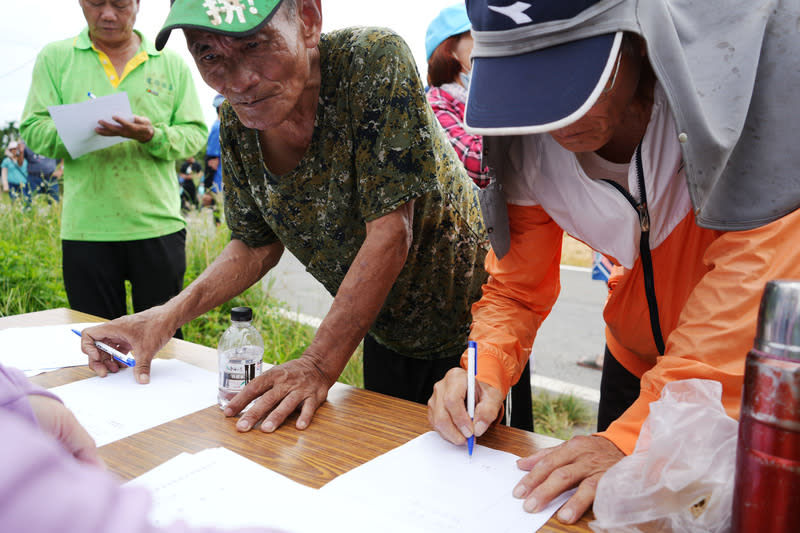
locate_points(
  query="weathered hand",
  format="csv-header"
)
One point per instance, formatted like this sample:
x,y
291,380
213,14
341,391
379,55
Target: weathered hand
x,y
139,129
59,422
143,333
448,414
280,390
580,461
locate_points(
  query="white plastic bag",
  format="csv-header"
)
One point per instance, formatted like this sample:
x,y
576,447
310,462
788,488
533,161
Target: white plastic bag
x,y
680,476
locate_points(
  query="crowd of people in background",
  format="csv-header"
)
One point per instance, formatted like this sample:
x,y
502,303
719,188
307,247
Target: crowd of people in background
x,y
26,173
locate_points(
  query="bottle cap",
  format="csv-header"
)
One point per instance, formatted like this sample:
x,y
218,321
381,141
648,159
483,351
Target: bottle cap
x,y
241,314
778,331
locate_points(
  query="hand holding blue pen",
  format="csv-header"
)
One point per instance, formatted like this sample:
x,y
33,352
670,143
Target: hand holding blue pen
x,y
126,360
472,370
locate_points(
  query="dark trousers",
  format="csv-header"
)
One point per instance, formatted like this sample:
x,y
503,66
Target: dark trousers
x,y
389,372
95,273
618,390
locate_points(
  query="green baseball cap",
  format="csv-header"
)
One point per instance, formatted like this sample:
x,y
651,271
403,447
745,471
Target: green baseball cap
x,y
236,18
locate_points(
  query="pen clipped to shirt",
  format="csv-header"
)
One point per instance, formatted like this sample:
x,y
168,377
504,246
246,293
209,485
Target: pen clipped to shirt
x,y
92,96
126,360
472,370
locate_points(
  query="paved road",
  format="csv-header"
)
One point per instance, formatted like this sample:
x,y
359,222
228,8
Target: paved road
x,y
573,331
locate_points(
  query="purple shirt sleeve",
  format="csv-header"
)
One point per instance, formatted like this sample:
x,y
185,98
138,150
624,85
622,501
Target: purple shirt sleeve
x,y
14,389
44,489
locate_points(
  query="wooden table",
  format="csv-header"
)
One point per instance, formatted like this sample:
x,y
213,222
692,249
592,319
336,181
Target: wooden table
x,y
351,428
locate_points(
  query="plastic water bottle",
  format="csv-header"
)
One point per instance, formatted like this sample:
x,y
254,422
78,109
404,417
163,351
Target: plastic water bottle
x,y
766,495
240,350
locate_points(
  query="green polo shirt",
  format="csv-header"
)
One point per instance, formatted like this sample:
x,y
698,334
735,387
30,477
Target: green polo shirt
x,y
128,191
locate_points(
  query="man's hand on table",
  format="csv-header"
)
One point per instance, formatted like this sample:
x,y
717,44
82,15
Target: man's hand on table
x,y
60,423
580,462
279,391
143,333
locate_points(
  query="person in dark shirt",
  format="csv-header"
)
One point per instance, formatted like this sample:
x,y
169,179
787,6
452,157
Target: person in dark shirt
x,y
43,174
186,174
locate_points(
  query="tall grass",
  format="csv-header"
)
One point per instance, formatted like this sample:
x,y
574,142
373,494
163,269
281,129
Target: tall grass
x,y
30,257
559,416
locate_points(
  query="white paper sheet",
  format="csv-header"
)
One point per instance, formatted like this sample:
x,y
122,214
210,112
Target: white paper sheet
x,y
76,122
116,406
217,487
38,349
431,485
426,485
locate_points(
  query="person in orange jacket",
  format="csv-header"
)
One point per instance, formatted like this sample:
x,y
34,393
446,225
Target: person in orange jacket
x,y
597,148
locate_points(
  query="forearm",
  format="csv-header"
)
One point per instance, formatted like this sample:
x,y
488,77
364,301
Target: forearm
x,y
177,141
362,294
37,126
232,272
185,132
518,296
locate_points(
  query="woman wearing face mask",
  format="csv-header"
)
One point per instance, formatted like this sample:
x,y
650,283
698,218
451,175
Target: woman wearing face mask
x,y
448,44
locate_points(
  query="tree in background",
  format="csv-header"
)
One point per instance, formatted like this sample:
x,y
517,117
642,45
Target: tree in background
x,y
9,133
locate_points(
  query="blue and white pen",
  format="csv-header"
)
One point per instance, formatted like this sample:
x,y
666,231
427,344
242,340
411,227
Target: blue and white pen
x,y
90,96
472,370
126,360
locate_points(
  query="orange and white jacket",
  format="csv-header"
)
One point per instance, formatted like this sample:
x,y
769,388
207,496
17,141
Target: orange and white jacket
x,y
708,283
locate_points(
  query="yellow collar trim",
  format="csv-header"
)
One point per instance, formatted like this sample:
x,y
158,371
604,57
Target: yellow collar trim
x,y
111,73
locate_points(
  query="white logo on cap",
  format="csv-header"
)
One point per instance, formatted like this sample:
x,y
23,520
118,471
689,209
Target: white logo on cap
x,y
215,9
515,12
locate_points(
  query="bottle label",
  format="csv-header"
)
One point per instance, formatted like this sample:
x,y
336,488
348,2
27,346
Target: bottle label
x,y
236,375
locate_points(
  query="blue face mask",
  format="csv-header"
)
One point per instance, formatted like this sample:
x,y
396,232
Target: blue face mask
x,y
465,78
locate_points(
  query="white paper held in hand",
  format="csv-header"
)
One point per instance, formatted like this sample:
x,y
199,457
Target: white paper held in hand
x,y
75,123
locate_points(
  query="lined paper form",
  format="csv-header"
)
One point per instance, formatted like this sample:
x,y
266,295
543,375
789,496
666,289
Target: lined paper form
x,y
116,406
219,488
429,484
426,485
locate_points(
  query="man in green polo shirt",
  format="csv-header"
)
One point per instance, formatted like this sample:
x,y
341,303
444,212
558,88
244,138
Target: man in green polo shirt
x,y
121,216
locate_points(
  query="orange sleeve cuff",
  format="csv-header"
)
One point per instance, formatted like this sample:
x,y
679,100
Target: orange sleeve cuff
x,y
624,432
492,370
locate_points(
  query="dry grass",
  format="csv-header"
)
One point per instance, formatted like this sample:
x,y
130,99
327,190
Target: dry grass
x,y
575,253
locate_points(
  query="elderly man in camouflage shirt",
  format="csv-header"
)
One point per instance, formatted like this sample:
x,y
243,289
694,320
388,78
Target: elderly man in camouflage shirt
x,y
328,149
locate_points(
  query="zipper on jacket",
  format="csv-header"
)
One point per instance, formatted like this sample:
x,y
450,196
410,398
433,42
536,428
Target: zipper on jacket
x,y
644,248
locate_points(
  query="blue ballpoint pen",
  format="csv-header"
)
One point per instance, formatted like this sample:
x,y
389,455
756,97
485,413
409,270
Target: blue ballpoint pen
x,y
90,95
472,370
126,360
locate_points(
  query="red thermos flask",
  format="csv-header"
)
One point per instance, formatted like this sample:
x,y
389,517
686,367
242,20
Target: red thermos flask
x,y
766,495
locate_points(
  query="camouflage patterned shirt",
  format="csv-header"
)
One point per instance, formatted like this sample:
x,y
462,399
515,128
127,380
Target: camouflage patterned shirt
x,y
376,145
